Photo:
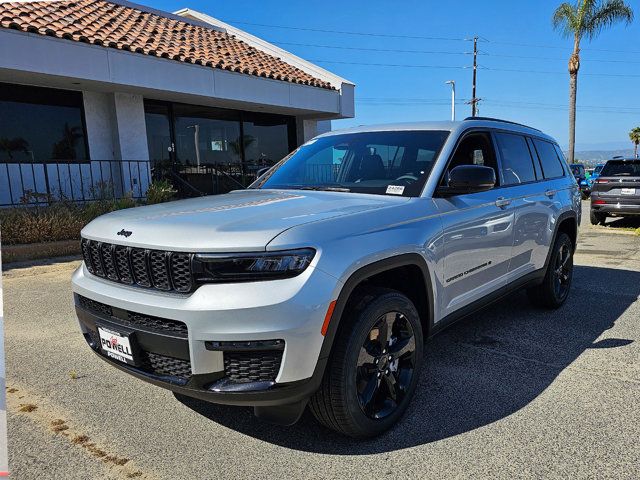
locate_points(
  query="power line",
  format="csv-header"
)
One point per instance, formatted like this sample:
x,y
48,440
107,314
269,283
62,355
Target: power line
x,y
422,37
526,57
557,47
439,52
463,67
364,49
344,32
467,67
504,102
515,70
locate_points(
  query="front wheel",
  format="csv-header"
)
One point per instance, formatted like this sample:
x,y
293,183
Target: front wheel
x,y
554,289
374,366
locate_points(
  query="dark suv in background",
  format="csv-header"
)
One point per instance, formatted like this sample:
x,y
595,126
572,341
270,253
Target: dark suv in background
x,y
616,192
580,174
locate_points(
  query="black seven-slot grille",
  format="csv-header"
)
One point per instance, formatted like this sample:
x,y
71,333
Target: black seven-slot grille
x,y
159,269
253,366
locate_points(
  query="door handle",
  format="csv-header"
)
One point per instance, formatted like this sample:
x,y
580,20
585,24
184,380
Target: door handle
x,y
550,193
502,202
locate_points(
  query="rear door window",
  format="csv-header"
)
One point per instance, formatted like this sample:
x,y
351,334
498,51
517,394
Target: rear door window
x,y
517,164
551,166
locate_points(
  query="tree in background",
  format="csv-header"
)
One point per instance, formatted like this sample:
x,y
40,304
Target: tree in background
x,y
585,19
634,136
10,145
65,149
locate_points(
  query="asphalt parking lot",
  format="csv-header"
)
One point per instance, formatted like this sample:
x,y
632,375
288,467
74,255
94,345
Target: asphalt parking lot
x,y
509,392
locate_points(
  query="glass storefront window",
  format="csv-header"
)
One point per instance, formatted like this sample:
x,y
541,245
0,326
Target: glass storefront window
x,y
207,150
39,125
206,136
266,139
158,133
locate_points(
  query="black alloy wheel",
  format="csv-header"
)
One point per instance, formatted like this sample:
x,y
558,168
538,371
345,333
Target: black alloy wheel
x,y
374,366
385,365
555,287
562,272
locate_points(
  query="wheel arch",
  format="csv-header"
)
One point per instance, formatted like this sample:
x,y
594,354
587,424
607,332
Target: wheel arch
x,y
376,271
567,222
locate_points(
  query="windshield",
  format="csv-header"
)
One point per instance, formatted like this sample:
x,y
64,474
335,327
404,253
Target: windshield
x,y
384,163
598,169
621,168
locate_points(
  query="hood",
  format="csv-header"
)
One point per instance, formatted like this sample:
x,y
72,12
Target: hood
x,y
245,220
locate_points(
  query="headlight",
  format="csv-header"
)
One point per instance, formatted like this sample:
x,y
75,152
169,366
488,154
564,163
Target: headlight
x,y
246,267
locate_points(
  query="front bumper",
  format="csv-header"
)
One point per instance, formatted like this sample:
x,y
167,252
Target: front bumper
x,y
290,310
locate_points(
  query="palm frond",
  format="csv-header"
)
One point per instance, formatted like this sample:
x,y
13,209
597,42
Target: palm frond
x,y
565,19
604,15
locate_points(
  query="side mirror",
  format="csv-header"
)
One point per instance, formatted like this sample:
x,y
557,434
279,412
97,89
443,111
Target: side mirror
x,y
469,179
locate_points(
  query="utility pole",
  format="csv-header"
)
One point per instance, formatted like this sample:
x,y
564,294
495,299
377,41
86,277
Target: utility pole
x,y
453,98
474,100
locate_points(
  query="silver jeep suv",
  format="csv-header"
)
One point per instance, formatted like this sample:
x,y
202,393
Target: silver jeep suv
x,y
320,283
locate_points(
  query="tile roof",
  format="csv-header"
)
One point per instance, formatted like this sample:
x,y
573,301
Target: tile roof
x,y
122,27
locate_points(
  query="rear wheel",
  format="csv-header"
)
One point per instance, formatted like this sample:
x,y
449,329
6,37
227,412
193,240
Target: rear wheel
x,y
374,366
554,289
597,218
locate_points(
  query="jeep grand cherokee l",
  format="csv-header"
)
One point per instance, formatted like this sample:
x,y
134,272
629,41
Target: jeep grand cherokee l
x,y
319,284
616,191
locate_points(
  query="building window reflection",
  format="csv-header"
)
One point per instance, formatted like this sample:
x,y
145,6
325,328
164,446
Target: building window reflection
x,y
40,125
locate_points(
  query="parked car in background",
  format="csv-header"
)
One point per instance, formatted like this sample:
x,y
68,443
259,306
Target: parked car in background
x,y
580,175
595,174
319,284
616,191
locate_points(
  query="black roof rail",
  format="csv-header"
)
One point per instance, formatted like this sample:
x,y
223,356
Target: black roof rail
x,y
491,119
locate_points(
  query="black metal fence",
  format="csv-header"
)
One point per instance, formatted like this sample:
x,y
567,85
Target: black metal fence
x,y
44,183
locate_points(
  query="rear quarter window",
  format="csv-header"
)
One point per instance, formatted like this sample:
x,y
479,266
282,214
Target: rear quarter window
x,y
551,166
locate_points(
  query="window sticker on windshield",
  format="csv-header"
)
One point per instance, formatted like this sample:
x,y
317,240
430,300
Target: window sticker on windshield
x,y
395,189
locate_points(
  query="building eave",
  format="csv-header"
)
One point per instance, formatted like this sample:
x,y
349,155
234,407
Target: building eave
x,y
42,60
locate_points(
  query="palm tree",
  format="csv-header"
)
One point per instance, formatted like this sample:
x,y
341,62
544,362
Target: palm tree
x,y
634,136
585,19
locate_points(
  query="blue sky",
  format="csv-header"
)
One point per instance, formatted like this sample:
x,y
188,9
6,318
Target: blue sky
x,y
523,62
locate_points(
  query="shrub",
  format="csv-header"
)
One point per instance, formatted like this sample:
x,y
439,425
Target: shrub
x,y
41,224
63,220
160,191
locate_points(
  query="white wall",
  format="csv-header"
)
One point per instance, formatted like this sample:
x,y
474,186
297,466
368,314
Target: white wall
x,y
98,112
131,134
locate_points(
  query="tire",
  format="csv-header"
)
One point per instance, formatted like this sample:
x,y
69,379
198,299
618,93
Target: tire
x,y
554,289
352,377
597,218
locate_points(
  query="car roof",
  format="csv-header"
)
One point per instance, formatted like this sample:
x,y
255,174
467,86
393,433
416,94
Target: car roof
x,y
459,127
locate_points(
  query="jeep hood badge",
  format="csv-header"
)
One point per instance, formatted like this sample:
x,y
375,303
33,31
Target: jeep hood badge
x,y
124,233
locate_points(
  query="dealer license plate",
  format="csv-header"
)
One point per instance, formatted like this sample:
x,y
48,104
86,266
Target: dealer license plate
x,y
628,191
116,345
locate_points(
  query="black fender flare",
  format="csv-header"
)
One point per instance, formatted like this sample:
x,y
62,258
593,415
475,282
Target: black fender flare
x,y
367,271
569,214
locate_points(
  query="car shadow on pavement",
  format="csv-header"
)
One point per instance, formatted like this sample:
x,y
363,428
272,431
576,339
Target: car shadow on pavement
x,y
623,222
480,370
